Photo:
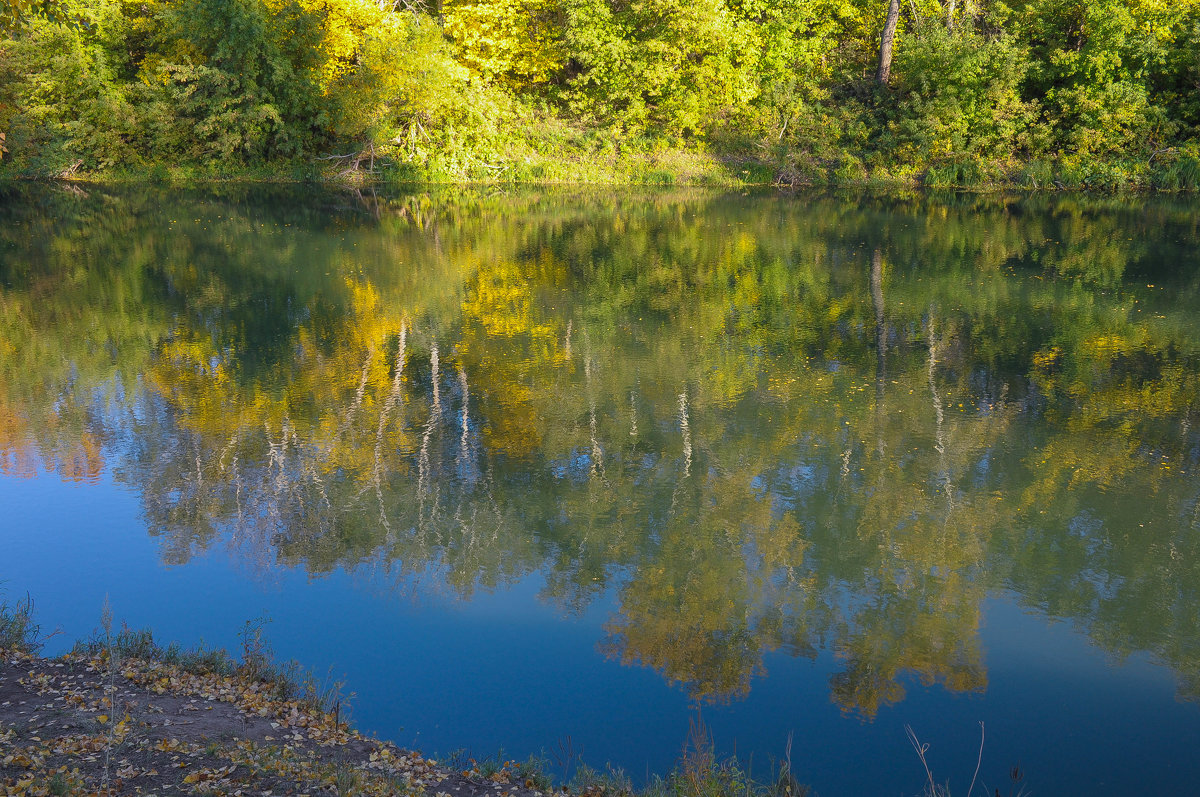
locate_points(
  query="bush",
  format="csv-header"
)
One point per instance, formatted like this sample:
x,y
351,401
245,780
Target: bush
x,y
244,86
959,94
1036,174
955,171
1177,172
59,99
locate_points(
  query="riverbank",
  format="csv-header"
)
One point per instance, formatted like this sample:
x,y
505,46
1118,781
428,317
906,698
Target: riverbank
x,y
1038,94
102,720
120,714
581,161
578,167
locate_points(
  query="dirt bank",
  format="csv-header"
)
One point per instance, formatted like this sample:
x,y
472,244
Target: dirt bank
x,y
98,722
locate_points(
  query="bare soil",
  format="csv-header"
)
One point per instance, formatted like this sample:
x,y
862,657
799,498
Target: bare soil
x,y
81,724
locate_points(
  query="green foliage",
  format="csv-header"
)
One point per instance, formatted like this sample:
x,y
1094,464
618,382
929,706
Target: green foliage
x,y
664,66
515,43
246,86
514,90
15,14
435,116
959,93
59,99
1174,83
1090,70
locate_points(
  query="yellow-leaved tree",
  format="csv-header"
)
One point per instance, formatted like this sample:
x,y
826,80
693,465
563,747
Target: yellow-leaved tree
x,y
390,80
517,43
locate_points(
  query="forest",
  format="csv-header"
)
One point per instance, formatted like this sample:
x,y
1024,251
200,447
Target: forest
x,y
1101,94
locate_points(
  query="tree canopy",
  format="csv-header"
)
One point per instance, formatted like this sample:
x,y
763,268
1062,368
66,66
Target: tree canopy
x,y
1095,92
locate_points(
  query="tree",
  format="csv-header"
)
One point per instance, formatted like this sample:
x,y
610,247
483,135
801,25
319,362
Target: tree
x,y
15,14
884,73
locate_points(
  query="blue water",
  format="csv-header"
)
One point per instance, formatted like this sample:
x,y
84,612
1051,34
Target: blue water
x,y
528,681
565,475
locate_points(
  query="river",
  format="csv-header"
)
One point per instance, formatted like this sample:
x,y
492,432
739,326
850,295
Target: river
x,y
570,472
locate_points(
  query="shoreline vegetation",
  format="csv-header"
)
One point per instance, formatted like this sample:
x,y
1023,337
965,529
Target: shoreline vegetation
x,y
121,714
1099,95
677,169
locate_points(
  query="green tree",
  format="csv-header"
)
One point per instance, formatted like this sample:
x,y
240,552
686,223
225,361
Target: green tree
x,y
245,84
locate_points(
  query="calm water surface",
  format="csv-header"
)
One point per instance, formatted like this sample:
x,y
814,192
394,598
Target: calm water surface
x,y
559,471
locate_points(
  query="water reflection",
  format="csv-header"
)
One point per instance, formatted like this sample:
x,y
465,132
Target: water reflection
x,y
767,423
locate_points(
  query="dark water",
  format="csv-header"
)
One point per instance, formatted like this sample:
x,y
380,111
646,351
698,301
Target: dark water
x,y
558,471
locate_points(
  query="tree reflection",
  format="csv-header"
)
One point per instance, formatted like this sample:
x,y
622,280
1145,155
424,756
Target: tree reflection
x,y
763,425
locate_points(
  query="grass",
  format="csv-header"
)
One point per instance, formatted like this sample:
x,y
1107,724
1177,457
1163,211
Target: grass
x,y
532,773
699,772
544,155
578,159
18,631
287,679
1017,787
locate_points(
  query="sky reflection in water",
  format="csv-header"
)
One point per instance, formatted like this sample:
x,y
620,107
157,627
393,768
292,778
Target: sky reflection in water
x,y
822,466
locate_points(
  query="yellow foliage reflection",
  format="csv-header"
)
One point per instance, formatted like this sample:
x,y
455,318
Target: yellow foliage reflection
x,y
772,428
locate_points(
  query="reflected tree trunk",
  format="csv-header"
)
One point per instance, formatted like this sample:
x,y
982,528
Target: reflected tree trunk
x,y
393,399
432,424
359,394
881,465
686,429
466,464
597,450
880,344
939,414
633,427
434,364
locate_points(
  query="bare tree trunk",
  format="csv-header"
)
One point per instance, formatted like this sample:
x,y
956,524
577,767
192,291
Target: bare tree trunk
x,y
884,73
950,8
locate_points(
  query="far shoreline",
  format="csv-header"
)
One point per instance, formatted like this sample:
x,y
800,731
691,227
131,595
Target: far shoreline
x,y
668,169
